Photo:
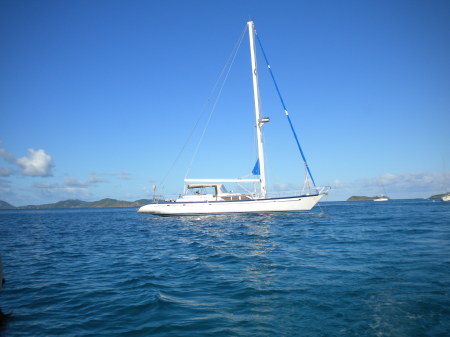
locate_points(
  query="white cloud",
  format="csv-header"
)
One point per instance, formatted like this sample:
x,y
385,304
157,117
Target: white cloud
x,y
93,179
72,182
36,163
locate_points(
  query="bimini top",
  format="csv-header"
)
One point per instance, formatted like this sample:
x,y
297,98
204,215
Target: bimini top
x,y
219,188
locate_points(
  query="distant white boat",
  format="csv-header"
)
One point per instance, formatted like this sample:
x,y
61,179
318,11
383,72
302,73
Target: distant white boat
x,y
446,197
381,198
209,196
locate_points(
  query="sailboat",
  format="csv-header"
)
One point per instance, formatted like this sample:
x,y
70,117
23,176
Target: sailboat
x,y
209,196
382,197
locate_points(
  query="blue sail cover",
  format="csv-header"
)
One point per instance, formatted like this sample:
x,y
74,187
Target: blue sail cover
x,y
256,168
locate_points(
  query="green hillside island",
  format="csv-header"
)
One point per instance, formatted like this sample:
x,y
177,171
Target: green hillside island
x,y
437,196
104,203
364,198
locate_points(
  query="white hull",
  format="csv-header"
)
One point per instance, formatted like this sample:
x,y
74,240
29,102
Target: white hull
x,y
446,198
288,204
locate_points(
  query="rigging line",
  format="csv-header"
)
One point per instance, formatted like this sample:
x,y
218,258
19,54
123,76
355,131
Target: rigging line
x,y
228,65
203,109
285,110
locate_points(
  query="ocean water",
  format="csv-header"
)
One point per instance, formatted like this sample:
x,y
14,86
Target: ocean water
x,y
345,269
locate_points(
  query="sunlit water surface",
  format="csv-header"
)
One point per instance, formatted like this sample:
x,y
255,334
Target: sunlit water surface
x,y
345,269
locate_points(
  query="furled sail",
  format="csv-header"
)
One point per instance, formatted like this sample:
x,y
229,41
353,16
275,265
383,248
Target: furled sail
x,y
256,168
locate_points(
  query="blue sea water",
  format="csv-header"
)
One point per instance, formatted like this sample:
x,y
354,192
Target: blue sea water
x,y
345,269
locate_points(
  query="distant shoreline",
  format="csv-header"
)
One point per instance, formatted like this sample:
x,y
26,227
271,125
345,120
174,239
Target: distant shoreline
x,y
366,198
74,203
114,203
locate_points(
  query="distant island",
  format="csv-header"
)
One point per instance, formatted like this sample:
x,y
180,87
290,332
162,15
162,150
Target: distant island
x,y
437,196
104,203
364,198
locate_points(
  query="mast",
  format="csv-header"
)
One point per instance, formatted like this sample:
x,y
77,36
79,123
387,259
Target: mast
x,y
259,121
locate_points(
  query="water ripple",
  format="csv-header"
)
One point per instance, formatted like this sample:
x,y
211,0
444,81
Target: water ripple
x,y
349,269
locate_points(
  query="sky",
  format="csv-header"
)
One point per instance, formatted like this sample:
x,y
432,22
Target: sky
x,y
106,98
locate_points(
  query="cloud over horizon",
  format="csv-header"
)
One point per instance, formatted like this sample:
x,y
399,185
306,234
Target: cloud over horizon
x,y
404,185
92,180
56,191
36,163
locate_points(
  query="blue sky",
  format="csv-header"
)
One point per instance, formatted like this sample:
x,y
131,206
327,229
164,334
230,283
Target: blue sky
x,y
97,98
